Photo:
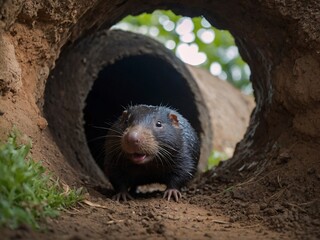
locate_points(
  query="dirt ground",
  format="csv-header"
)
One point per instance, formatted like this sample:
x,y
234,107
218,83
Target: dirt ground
x,y
211,208
205,212
151,217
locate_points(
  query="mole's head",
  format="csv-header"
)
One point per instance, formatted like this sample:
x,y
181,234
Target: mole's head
x,y
150,133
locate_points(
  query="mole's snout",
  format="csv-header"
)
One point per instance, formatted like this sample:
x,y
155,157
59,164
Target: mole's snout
x,y
133,140
136,143
139,144
133,137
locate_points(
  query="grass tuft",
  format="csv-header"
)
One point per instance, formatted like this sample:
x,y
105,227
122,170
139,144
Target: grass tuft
x,y
27,192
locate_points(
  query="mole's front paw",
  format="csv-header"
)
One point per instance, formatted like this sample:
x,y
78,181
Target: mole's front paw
x,y
122,196
172,192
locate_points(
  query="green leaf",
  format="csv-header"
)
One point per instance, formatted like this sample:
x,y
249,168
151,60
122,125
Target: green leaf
x,y
27,192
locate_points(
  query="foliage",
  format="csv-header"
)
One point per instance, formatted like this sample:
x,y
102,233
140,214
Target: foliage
x,y
215,158
27,193
215,48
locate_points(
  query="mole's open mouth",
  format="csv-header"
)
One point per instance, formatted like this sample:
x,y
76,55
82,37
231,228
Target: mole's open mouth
x,y
140,158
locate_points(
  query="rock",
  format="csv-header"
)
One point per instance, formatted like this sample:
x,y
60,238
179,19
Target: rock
x,y
42,123
10,71
253,208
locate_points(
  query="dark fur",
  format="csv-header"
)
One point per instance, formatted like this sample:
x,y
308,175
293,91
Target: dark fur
x,y
175,171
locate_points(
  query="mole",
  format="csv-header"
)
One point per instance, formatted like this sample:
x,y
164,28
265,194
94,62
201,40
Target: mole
x,y
150,144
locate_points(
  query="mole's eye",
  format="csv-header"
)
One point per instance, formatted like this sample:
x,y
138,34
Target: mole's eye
x,y
159,124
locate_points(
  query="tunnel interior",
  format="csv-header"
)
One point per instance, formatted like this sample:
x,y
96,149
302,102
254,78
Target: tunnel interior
x,y
94,80
143,79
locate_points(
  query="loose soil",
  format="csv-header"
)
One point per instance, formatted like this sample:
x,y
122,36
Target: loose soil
x,y
211,208
151,217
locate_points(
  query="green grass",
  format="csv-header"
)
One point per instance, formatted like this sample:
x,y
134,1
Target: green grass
x,y
27,192
215,158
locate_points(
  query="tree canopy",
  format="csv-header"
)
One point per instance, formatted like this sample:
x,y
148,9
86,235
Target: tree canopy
x,y
195,42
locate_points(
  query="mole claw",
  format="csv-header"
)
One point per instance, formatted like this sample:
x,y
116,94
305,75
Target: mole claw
x,y
172,192
122,195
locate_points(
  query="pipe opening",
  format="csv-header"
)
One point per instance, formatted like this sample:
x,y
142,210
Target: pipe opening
x,y
143,79
95,79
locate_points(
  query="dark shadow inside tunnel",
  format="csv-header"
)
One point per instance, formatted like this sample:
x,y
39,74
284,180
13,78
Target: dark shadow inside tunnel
x,y
142,79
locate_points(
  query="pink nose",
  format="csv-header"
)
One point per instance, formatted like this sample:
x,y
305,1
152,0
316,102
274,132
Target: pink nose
x,y
133,137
